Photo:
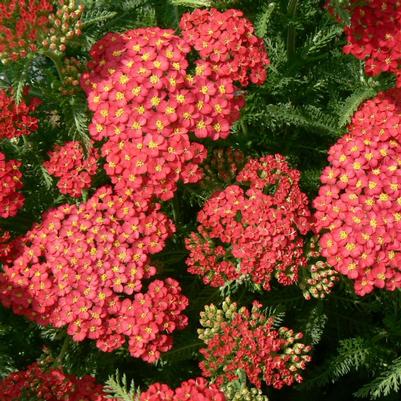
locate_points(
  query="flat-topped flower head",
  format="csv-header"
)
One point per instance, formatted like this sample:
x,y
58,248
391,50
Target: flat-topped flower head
x,y
253,230
85,267
16,119
50,384
73,168
374,35
29,26
238,339
193,389
358,210
147,100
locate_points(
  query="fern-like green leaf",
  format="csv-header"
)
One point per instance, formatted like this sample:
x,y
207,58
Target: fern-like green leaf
x,y
352,103
320,39
96,16
118,387
263,19
387,382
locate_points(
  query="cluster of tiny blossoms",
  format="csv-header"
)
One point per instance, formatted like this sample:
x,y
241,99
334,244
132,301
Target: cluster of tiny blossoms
x,y
374,35
11,200
8,247
15,120
83,267
226,41
72,167
237,391
146,104
29,25
358,210
191,390
255,233
237,339
319,278
51,384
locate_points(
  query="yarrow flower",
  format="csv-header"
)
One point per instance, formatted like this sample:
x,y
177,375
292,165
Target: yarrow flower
x,y
194,390
146,104
50,384
227,42
253,233
29,25
374,35
9,247
358,210
74,169
84,267
237,339
11,200
15,120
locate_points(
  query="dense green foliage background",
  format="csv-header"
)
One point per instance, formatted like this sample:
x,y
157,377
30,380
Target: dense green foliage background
x,y
311,92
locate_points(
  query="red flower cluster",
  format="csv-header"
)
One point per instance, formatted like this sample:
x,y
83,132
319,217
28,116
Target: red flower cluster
x,y
146,104
237,339
255,233
27,25
374,35
69,163
358,210
191,390
83,267
49,385
8,248
15,119
11,200
227,42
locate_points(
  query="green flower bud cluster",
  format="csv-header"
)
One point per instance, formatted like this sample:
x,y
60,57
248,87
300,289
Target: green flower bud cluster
x,y
235,391
319,278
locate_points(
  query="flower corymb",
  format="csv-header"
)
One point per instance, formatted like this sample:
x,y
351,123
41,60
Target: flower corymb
x,y
147,99
358,210
253,230
50,384
239,339
72,167
84,267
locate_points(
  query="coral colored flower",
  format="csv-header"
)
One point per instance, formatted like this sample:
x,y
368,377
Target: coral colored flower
x,y
373,34
51,385
15,120
146,105
83,267
252,230
226,40
194,389
11,200
358,210
239,339
72,167
29,25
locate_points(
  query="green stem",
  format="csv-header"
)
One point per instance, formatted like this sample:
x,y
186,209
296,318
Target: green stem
x,y
192,3
63,349
291,34
56,61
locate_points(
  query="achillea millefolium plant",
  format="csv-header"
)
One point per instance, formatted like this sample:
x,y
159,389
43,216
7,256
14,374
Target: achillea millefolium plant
x,y
200,200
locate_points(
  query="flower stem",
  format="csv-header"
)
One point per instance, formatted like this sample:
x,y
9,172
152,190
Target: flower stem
x,y
291,34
